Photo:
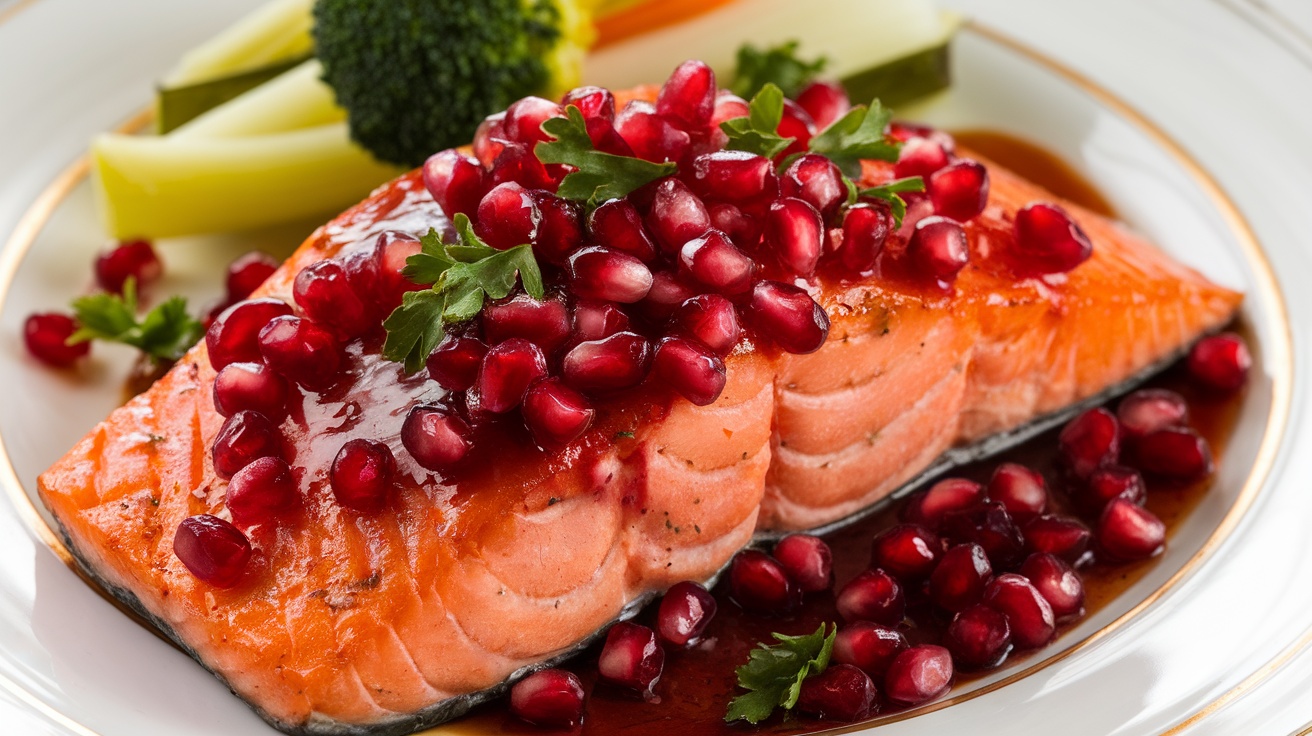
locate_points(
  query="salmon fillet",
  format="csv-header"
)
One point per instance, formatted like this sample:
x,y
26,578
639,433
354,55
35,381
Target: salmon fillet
x,y
384,623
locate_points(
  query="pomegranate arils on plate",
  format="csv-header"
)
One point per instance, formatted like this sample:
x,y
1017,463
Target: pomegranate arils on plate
x,y
795,234
840,693
435,437
685,611
758,583
302,351
1020,490
361,475
960,578
989,526
618,226
233,337
1181,454
948,496
1107,483
377,272
676,215
134,259
873,595
1147,410
920,157
1220,362
938,249
490,138
1059,585
1048,241
825,102
978,637
508,369
919,675
552,698
715,262
46,337
517,164
1129,532
691,369
689,95
454,362
710,319
247,273
556,414
607,275
788,316
738,177
544,322
261,492
215,551
865,230
325,295
595,320
456,181
244,438
1064,537
254,386
807,560
593,102
1089,441
607,139
908,551
959,190
609,364
868,646
524,119
652,137
1027,611
631,658
507,216
668,291
816,180
559,231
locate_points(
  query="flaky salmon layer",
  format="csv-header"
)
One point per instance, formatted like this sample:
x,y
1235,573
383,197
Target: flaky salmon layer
x,y
385,622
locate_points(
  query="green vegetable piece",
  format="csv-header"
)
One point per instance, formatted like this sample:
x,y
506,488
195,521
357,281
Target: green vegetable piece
x,y
777,65
774,673
905,79
889,193
757,132
856,136
179,105
165,333
600,176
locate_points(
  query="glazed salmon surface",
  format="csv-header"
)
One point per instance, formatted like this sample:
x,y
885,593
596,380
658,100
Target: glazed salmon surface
x,y
348,619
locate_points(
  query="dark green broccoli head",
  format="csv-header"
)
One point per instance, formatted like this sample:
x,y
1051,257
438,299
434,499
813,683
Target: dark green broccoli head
x,y
417,76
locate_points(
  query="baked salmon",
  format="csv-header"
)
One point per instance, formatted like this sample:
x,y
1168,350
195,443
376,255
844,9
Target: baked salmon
x,y
383,623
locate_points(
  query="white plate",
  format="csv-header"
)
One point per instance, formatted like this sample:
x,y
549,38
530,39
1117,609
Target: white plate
x,y
70,663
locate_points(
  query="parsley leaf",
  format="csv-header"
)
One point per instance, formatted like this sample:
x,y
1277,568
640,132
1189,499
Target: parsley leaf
x,y
464,274
889,193
857,135
774,673
777,65
757,132
600,175
165,333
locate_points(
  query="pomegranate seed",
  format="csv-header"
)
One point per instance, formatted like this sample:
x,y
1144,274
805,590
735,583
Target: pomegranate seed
x,y
607,275
233,337
868,646
794,232
742,228
517,164
551,698
302,351
807,560
46,337
710,319
524,119
1021,491
978,637
508,216
134,259
376,273
727,107
959,190
1107,483
560,230
692,370
788,316
324,294
436,438
1057,535
631,657
919,675
261,492
456,181
667,293
215,551
247,273
490,138
676,215
1028,613
825,102
991,527
734,176
652,137
1089,441
596,320
908,551
948,496
689,95
1129,532
816,180
960,578
607,139
454,363
556,414
865,230
920,157
938,249
361,475
593,102
840,693
685,612
715,262
244,438
544,323
1048,240
609,364
903,131
758,583
1220,362
1059,585
254,386
1148,410
508,369
1174,453
873,595
798,125
618,226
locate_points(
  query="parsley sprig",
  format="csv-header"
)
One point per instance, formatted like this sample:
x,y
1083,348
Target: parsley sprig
x,y
889,192
858,135
777,65
774,673
165,333
463,275
758,131
600,176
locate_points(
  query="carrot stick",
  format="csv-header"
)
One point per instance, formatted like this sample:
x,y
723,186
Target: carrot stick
x,y
649,15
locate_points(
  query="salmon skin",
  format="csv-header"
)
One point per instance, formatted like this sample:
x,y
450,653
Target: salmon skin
x,y
385,623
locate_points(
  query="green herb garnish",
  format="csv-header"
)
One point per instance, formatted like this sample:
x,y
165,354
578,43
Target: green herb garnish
x,y
600,176
858,135
777,65
889,193
165,333
774,673
463,275
758,131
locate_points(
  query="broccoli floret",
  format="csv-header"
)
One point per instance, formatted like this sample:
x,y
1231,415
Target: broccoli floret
x,y
417,76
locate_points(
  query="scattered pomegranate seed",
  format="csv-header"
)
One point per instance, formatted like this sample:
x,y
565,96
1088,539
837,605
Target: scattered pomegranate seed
x,y
1057,535
652,137
324,294
734,176
1129,532
544,323
254,386
247,273
689,95
631,657
361,475
903,131
552,698
456,181
712,320
560,230
598,273
302,351
715,262
948,496
865,230
375,272
490,138
908,551
507,216
1220,362
920,157
597,320
816,180
454,363
979,637
758,583
1107,483
825,102
612,363
873,595
134,259
618,226
692,370
1181,454
798,125
261,492
1048,241
959,190
244,438
685,611
215,551
789,317
795,234
556,414
1057,583
46,337
668,291
960,578
508,369
233,337
593,102
677,215
524,119
436,438
1020,490
518,164
1089,441
727,107
1147,410
1027,611
840,693
868,646
919,675
991,527
939,249
807,560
